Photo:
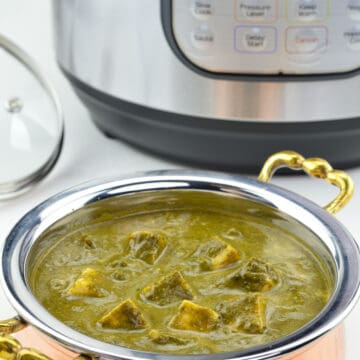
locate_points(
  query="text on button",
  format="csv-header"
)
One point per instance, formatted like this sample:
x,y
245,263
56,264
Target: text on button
x,y
254,11
202,37
352,38
306,40
259,39
202,8
353,8
307,10
255,41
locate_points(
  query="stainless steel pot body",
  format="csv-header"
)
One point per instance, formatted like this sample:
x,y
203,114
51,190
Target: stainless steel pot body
x,y
120,48
173,76
322,231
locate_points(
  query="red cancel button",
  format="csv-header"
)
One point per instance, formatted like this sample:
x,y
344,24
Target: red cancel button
x,y
306,40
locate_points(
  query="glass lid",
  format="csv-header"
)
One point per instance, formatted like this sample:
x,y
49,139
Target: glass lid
x,y
31,121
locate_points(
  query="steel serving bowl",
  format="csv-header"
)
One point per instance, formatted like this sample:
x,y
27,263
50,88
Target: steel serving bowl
x,y
320,337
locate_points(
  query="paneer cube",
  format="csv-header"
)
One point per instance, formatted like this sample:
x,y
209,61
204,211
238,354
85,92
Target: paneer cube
x,y
217,254
163,339
125,316
256,276
194,317
146,245
168,290
245,314
88,284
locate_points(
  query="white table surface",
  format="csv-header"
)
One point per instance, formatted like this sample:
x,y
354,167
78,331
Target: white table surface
x,y
88,154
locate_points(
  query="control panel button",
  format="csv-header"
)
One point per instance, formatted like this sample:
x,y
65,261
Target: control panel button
x,y
202,9
202,37
353,8
256,11
257,39
352,37
307,10
306,40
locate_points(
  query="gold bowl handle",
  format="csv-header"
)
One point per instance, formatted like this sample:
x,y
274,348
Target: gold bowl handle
x,y
11,349
315,167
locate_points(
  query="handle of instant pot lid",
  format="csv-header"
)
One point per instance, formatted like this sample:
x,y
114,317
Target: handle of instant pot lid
x,y
11,349
315,167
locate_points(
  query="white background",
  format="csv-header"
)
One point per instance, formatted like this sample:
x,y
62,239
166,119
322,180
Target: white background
x,y
88,154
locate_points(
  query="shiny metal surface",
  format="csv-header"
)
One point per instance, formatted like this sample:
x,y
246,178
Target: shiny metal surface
x,y
330,347
315,167
119,48
10,326
268,37
323,232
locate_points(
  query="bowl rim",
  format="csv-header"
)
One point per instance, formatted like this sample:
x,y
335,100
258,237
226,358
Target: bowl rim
x,y
18,244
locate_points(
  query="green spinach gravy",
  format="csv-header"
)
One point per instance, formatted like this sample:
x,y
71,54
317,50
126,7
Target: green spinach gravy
x,y
189,281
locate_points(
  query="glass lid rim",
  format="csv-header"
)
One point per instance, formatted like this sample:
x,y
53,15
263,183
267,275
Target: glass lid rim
x,y
16,187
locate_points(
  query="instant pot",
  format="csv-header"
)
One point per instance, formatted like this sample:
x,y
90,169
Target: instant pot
x,y
218,82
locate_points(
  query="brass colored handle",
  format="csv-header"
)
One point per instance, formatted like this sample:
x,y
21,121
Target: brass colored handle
x,y
11,326
30,354
11,349
315,167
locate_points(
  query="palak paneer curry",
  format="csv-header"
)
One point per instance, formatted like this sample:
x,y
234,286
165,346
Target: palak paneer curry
x,y
185,281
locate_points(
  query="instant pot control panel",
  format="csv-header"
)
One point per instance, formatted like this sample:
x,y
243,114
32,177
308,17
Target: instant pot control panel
x,y
268,36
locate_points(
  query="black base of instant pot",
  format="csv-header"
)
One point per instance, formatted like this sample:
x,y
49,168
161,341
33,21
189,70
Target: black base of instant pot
x,y
220,144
